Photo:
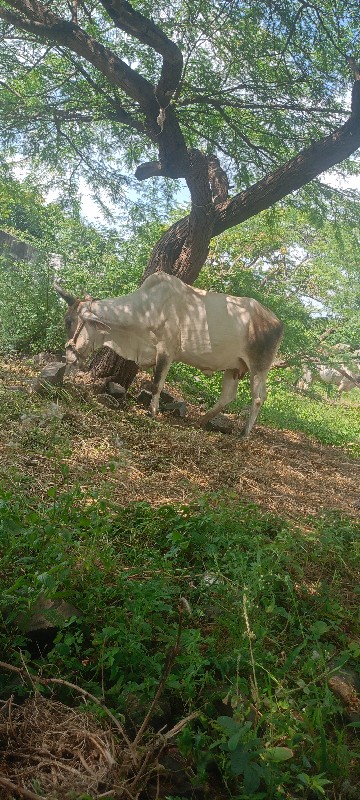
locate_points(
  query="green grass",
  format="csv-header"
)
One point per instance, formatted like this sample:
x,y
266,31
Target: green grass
x,y
272,613
334,423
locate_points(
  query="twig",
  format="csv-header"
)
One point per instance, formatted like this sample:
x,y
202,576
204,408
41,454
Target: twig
x,y
13,787
171,656
105,753
141,771
179,726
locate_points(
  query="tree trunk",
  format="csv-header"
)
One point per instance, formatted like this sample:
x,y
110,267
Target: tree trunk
x,y
182,251
107,364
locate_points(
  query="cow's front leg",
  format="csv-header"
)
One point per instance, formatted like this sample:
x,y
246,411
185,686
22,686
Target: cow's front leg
x,y
162,366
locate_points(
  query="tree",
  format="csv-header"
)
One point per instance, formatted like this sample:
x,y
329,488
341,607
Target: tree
x,y
263,85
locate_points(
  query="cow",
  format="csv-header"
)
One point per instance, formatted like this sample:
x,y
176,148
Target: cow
x,y
166,320
343,377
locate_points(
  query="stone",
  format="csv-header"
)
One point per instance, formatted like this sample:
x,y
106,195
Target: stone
x,y
116,390
220,424
47,613
144,398
167,401
345,684
48,357
178,407
166,397
51,376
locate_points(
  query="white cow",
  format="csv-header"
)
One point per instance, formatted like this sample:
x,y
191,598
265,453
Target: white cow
x,y
166,320
343,377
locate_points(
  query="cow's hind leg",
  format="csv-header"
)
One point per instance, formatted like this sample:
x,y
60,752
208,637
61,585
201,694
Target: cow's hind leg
x,y
162,366
228,393
258,397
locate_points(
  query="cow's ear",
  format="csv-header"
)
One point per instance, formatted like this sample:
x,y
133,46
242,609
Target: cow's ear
x,y
102,326
88,316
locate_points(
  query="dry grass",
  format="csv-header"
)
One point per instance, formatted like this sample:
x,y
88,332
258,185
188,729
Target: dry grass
x,y
51,750
125,454
55,749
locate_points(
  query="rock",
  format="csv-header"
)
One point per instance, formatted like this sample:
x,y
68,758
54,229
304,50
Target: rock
x,y
46,357
108,401
220,424
166,397
52,375
116,390
144,398
167,401
345,684
178,407
146,384
47,613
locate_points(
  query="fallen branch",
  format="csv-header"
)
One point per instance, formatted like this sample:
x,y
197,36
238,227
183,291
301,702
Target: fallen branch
x,y
13,787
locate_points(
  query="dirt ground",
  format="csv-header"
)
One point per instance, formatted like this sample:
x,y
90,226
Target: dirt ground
x,y
133,458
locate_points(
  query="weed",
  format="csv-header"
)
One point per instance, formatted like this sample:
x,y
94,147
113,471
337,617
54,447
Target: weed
x,y
271,614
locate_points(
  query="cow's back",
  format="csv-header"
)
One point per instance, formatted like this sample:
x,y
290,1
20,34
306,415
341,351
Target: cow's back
x,y
217,330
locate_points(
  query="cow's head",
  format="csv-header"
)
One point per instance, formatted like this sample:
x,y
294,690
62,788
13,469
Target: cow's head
x,y
85,331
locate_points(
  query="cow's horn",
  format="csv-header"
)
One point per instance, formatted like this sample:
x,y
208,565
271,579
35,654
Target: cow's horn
x,y
69,298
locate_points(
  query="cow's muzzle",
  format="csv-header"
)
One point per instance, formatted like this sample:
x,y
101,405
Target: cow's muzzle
x,y
72,354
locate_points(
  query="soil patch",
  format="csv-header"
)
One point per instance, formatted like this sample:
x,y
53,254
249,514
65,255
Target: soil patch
x,y
131,457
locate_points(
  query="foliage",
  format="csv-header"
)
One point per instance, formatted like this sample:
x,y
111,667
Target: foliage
x,y
305,268
260,80
271,615
282,257
88,260
331,422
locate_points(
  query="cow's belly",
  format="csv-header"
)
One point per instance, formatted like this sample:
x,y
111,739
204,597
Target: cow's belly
x,y
210,362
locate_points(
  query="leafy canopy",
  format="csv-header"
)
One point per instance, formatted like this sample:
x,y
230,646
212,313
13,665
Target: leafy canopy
x,y
260,80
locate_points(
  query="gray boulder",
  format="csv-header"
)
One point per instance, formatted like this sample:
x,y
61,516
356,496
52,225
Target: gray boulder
x,y
51,376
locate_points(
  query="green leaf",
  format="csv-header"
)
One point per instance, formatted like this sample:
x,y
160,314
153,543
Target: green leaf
x,y
252,778
234,740
228,724
278,754
319,628
239,759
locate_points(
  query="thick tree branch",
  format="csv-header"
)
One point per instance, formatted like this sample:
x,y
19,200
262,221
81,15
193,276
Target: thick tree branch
x,y
163,130
297,172
309,163
35,18
184,247
127,19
